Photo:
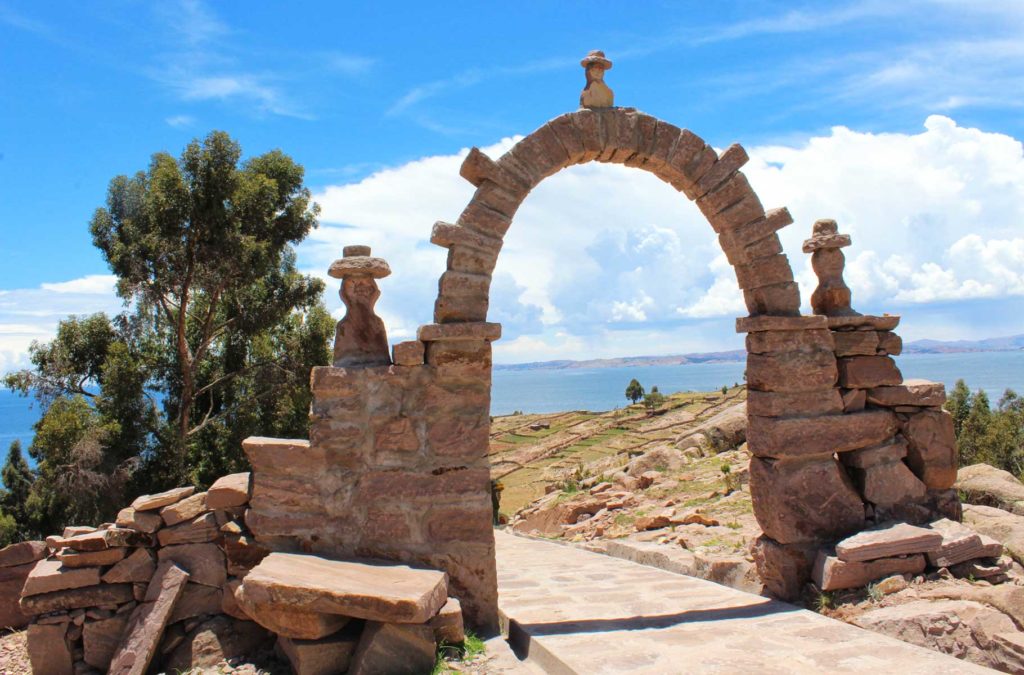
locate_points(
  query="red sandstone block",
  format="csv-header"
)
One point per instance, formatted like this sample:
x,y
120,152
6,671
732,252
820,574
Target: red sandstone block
x,y
569,136
460,524
481,218
424,486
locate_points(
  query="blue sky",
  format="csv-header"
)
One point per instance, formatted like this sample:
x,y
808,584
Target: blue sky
x,y
901,120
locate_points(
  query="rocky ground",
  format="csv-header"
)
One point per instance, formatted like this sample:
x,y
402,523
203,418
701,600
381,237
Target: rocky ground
x,y
670,489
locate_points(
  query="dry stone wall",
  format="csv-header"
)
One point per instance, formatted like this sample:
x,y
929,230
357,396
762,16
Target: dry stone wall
x,y
395,467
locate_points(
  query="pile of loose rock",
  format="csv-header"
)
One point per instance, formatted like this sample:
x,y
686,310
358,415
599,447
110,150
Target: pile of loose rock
x,y
178,582
898,548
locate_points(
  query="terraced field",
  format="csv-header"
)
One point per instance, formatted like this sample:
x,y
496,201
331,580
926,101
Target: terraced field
x,y
531,452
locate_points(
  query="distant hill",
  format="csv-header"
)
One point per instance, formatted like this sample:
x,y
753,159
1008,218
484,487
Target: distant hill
x,y
1012,343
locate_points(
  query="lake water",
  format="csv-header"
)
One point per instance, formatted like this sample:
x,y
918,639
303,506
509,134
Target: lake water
x,y
540,391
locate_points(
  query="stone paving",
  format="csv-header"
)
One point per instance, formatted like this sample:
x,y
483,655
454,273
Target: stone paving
x,y
571,611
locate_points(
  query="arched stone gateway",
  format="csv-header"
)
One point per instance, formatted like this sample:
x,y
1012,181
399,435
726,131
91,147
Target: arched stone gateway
x,y
397,462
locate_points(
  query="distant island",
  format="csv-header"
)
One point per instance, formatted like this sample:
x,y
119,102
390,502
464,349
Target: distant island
x,y
1013,343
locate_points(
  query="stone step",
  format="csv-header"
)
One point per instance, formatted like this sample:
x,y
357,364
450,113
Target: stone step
x,y
887,541
377,591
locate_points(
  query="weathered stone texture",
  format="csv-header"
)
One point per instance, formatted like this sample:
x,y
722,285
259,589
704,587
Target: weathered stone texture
x,y
866,372
775,437
931,448
831,573
398,649
804,499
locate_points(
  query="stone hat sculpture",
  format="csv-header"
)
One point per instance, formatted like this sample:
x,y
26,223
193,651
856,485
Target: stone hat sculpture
x,y
596,57
832,296
360,339
596,93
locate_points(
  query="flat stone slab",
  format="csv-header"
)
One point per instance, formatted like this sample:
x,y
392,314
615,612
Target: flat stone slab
x,y
148,620
574,611
375,591
959,544
49,576
887,541
832,574
162,499
863,322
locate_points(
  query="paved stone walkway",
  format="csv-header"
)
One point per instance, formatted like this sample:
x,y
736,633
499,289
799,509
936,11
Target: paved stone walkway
x,y
572,611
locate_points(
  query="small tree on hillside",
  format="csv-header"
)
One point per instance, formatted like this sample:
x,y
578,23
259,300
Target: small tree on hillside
x,y
634,391
654,400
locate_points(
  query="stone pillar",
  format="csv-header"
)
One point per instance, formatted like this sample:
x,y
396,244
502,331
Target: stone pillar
x,y
360,339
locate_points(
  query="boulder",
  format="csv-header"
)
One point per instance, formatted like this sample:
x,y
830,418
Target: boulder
x,y
331,655
1002,526
48,650
830,573
362,590
931,448
49,575
136,568
280,618
204,562
989,486
12,580
886,541
804,499
961,628
148,620
101,639
143,521
396,649
229,491
218,639
162,499
22,553
186,509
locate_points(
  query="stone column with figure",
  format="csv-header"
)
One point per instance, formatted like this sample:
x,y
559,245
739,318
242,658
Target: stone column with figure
x,y
832,296
360,339
596,93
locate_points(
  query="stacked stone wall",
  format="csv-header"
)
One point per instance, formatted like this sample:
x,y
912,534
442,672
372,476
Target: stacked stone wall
x,y
396,466
840,442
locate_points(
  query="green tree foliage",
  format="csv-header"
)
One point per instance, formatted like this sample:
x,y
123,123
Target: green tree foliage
x,y
654,399
18,479
634,391
216,343
985,434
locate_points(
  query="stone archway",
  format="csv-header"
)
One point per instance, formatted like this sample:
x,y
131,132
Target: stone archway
x,y
397,464
625,136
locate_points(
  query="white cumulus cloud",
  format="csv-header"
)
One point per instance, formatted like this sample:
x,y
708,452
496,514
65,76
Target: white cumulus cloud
x,y
600,252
